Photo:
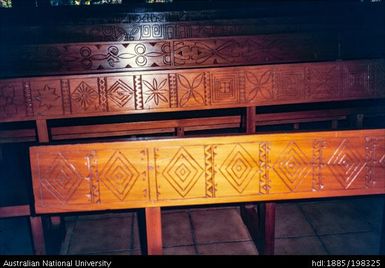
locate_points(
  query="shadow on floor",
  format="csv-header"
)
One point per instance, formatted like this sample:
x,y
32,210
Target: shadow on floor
x,y
347,226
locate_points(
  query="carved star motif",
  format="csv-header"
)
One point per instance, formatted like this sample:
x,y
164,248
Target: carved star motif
x,y
46,96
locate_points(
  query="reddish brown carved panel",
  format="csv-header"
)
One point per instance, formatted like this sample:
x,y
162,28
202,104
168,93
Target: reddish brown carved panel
x,y
94,95
320,82
12,100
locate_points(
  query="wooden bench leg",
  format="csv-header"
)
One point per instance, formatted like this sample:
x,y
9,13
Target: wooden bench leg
x,y
150,231
261,225
154,231
142,230
37,235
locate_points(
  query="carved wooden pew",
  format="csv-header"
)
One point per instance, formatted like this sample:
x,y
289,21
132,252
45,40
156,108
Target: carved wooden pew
x,y
176,172
70,58
175,39
125,23
47,98
193,89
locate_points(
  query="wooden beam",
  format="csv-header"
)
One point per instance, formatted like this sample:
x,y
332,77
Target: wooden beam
x,y
250,120
38,235
15,211
42,130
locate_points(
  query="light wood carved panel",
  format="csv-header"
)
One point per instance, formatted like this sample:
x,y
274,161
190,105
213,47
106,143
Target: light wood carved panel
x,y
137,92
175,172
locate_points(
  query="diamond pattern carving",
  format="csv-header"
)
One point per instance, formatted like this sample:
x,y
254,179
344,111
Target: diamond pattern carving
x,y
119,175
239,168
85,95
346,164
120,93
62,179
182,172
292,166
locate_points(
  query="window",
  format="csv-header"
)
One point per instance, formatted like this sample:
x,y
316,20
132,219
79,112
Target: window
x,y
5,3
83,2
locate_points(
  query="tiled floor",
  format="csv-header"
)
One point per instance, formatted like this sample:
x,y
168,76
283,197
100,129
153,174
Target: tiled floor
x,y
343,226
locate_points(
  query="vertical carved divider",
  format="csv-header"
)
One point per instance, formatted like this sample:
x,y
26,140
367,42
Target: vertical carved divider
x,y
209,170
370,159
242,87
173,91
264,167
138,92
207,88
66,96
317,165
102,88
379,78
155,189
372,79
93,177
28,98
307,80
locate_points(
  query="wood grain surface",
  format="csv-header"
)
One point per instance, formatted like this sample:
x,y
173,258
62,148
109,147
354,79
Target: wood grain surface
x,y
188,171
193,89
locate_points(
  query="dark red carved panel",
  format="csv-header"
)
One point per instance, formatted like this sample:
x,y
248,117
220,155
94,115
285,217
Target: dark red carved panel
x,y
130,56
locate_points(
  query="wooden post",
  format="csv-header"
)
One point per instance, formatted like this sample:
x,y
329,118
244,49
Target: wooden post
x,y
142,230
261,225
37,235
180,132
55,222
269,229
250,120
154,231
42,130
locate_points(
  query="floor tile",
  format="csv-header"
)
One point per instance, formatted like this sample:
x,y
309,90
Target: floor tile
x,y
352,244
333,217
69,229
372,208
232,248
290,222
184,250
176,229
218,225
107,234
309,245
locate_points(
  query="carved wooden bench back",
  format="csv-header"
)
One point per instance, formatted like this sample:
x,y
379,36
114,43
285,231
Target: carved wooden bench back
x,y
173,172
